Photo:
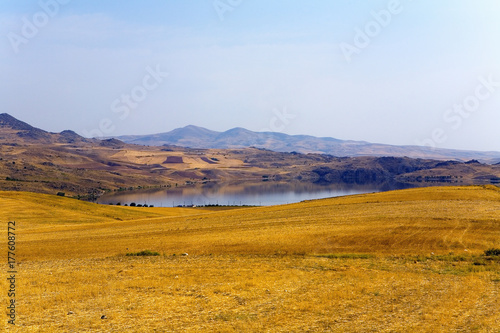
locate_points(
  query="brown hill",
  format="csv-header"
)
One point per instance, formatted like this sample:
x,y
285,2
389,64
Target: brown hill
x,y
13,130
34,160
199,137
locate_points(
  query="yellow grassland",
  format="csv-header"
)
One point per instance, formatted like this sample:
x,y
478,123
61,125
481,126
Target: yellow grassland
x,y
189,160
401,261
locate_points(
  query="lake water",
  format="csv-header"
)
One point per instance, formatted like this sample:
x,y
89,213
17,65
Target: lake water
x,y
256,194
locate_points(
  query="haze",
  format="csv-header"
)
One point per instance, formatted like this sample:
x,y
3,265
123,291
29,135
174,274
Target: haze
x,y
396,72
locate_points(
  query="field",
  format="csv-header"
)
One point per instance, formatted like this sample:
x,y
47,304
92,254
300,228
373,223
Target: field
x,y
401,261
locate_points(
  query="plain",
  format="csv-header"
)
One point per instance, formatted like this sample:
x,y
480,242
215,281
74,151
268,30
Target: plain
x,y
401,261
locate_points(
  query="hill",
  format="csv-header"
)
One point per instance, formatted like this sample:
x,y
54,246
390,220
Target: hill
x,y
403,261
34,160
421,220
198,137
13,130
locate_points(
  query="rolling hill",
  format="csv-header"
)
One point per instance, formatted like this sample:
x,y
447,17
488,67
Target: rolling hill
x,y
32,159
403,261
16,131
199,137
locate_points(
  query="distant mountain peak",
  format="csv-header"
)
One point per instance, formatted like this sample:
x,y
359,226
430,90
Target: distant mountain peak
x,y
239,130
238,137
191,131
195,127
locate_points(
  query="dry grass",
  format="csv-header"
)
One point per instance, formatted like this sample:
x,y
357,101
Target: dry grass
x,y
370,263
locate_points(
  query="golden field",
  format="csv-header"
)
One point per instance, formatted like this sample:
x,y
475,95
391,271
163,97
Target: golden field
x,y
401,261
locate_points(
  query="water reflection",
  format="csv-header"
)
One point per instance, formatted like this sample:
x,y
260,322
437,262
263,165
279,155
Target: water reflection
x,y
259,194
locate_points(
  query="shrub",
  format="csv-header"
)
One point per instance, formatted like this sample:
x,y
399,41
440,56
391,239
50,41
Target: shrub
x,y
492,252
143,253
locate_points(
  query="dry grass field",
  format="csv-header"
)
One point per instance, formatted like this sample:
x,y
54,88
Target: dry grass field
x,y
402,261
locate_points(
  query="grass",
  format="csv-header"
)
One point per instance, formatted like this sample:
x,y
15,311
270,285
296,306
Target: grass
x,y
403,261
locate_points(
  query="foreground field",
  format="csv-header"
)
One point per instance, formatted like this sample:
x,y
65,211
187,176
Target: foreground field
x,y
400,261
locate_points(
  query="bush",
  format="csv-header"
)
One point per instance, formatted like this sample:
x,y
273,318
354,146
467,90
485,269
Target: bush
x,y
492,252
10,179
143,253
61,194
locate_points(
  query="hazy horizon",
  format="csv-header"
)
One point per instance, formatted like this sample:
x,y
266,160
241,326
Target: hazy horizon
x,y
392,72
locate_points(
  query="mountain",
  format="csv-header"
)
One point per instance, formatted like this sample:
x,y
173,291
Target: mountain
x,y
16,131
13,130
199,137
186,136
39,161
12,127
7,121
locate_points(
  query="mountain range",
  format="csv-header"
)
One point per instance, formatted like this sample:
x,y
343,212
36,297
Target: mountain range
x,y
14,130
32,159
199,137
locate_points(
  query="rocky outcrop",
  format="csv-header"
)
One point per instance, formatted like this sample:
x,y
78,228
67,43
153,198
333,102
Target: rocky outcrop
x,y
326,175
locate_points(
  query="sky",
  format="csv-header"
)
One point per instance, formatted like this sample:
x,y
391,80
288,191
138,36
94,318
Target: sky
x,y
399,72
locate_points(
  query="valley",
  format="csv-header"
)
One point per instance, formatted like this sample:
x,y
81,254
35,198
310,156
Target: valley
x,y
35,160
414,260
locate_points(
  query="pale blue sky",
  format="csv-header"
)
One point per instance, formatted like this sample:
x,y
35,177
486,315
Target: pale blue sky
x,y
263,65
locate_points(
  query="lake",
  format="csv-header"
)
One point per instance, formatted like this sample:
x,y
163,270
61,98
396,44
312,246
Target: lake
x,y
253,194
